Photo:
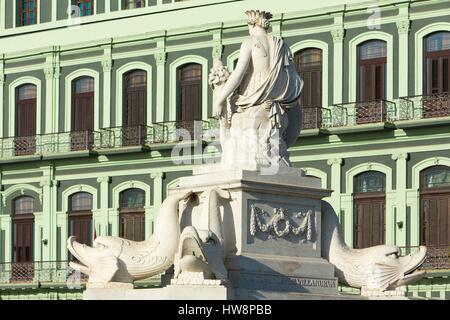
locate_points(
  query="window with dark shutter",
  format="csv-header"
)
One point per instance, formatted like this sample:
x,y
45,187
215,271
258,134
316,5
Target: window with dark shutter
x,y
82,113
134,107
27,12
131,4
372,63
437,66
86,7
309,66
369,209
132,214
23,238
25,141
80,217
190,92
435,206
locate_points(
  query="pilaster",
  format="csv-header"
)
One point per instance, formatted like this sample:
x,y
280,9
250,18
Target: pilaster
x,y
2,16
52,73
403,27
335,182
401,226
335,198
107,64
338,34
107,6
55,10
48,218
160,57
157,178
2,89
104,182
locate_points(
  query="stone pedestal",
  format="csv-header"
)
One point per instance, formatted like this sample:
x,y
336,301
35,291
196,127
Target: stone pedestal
x,y
271,226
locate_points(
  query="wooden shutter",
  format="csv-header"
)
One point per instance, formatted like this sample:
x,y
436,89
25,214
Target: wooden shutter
x,y
82,109
435,219
190,93
23,240
25,142
309,66
369,222
132,214
132,226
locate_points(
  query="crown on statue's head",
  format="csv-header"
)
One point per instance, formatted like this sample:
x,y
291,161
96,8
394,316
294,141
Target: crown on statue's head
x,y
259,18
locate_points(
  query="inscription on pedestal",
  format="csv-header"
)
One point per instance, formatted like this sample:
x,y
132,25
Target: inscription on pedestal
x,y
285,283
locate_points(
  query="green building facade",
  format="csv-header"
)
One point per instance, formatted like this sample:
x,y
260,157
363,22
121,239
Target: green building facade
x,y
376,121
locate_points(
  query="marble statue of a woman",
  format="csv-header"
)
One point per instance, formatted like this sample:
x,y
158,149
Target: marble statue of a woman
x,y
259,103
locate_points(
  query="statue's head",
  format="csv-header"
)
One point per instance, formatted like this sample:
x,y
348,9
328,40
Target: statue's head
x,y
258,20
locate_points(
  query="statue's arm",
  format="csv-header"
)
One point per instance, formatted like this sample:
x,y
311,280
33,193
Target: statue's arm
x,y
235,78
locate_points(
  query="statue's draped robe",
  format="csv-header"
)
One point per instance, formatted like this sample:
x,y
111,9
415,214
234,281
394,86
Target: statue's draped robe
x,y
277,93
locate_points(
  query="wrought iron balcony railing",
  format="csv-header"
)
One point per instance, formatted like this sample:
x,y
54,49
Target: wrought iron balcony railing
x,y
423,107
52,143
130,136
39,272
312,118
438,258
356,113
176,131
47,272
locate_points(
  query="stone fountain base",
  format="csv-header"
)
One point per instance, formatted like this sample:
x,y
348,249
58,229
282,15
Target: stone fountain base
x,y
272,231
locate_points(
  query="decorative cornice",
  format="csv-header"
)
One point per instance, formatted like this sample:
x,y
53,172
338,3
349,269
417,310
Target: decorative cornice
x,y
400,156
155,175
338,35
104,179
107,64
334,161
403,26
161,58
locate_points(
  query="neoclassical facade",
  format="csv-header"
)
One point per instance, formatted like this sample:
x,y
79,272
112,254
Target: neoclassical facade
x,y
95,95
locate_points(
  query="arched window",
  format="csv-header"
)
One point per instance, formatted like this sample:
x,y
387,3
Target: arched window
x,y
23,237
82,113
131,4
134,107
86,7
27,12
370,208
132,214
437,66
80,217
190,92
309,66
26,119
435,206
372,63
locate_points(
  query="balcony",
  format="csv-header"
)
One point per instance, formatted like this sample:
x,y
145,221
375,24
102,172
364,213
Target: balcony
x,y
312,118
360,113
438,258
47,144
50,274
424,107
104,140
39,273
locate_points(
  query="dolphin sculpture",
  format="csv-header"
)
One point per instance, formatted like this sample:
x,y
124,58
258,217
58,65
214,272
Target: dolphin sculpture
x,y
202,250
376,269
113,259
